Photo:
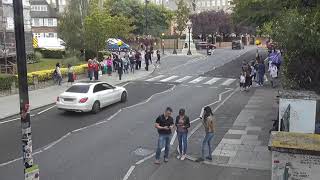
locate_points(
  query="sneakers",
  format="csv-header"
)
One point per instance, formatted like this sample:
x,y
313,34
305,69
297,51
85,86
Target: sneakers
x,y
157,162
209,158
200,160
183,157
166,160
179,156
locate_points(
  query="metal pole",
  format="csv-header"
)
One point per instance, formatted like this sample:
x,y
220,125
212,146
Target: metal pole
x,y
174,46
31,171
189,51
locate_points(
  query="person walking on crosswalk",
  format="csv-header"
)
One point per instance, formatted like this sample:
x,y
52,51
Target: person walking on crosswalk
x,y
158,57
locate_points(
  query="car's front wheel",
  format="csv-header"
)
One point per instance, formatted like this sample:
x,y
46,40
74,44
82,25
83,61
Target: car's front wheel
x,y
124,97
96,107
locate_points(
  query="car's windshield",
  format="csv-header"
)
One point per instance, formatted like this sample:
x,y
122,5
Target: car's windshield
x,y
79,89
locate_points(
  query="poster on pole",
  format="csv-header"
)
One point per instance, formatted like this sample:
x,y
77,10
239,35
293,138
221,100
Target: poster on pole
x,y
32,173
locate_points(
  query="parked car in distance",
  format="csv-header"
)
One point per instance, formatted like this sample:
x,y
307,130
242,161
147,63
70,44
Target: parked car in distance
x,y
237,44
204,45
90,96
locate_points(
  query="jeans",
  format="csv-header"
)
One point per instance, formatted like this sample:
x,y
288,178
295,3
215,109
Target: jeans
x,y
164,140
207,141
261,77
183,142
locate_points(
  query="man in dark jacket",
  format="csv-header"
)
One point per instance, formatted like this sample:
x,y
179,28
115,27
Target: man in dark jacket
x,y
146,59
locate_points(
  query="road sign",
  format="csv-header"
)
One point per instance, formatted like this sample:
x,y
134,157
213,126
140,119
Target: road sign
x,y
35,42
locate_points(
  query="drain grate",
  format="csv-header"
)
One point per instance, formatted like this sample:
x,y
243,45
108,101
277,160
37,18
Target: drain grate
x,y
142,151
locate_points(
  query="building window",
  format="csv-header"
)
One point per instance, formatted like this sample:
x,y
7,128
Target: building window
x,y
203,4
50,22
45,22
37,35
39,8
50,35
208,3
218,3
223,2
37,22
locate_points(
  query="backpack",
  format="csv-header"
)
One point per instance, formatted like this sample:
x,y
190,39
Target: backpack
x,y
55,73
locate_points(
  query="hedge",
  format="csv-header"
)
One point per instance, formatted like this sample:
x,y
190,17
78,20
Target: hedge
x,y
6,81
46,53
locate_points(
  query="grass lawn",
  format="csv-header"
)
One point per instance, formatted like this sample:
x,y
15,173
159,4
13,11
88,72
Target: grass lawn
x,y
47,63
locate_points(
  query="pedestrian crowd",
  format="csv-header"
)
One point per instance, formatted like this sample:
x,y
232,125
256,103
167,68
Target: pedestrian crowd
x,y
115,63
165,125
255,71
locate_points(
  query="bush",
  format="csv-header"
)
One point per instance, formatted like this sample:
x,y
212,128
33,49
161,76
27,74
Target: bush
x,y
71,60
6,81
58,54
34,57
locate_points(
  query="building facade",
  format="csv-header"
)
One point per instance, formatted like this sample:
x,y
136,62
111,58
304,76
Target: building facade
x,y
44,19
7,37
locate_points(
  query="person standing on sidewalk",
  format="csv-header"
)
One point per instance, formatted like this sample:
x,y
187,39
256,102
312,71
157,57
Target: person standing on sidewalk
x,y
132,62
273,70
261,72
182,124
90,69
146,59
71,75
158,57
96,69
57,74
208,122
109,66
120,68
164,124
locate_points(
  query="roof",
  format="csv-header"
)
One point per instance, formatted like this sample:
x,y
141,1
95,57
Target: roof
x,y
298,143
51,13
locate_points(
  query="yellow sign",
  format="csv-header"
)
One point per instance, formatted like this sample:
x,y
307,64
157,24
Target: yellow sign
x,y
120,43
35,42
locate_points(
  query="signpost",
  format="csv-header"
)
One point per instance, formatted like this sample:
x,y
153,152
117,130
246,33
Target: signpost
x,y
31,171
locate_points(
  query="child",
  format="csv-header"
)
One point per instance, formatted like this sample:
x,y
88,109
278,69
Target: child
x,y
242,81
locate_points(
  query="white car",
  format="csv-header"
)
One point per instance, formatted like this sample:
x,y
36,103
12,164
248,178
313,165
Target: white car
x,y
90,96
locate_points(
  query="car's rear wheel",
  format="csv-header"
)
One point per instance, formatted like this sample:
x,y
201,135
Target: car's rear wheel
x,y
124,97
96,107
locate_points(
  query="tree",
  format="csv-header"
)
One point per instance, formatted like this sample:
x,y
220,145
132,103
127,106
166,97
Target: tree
x,y
182,16
100,25
294,25
71,24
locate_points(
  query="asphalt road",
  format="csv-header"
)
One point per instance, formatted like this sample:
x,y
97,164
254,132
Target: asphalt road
x,y
106,150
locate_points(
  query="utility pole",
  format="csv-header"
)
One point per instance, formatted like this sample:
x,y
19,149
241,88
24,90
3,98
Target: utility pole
x,y
31,170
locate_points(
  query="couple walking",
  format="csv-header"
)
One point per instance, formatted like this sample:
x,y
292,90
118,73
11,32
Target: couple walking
x,y
165,124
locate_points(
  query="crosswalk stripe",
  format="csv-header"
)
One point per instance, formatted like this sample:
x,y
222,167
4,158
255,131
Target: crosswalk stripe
x,y
155,78
197,80
213,80
169,78
183,79
228,82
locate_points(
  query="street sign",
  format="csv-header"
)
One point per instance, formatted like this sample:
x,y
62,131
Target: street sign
x,y
32,173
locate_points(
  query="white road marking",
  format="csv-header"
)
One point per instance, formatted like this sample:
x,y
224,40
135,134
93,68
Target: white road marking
x,y
57,141
197,80
183,79
168,79
228,82
155,78
146,158
126,84
46,110
129,173
212,81
15,119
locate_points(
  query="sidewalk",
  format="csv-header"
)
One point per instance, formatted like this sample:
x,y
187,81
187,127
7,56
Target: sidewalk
x,y
42,97
240,147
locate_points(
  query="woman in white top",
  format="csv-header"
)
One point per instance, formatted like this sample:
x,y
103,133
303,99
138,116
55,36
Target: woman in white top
x,y
273,70
57,74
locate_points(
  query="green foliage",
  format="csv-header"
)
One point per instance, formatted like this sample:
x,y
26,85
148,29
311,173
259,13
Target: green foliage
x,y
34,57
47,53
158,18
6,81
181,16
71,60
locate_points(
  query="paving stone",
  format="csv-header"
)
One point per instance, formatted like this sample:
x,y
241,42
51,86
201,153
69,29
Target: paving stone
x,y
231,141
232,136
254,128
232,131
249,137
261,149
239,127
220,159
251,142
253,132
227,153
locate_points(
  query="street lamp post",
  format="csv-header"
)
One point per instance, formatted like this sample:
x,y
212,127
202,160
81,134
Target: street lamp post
x,y
31,170
162,43
189,28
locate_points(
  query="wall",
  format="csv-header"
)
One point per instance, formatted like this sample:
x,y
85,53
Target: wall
x,y
302,114
295,166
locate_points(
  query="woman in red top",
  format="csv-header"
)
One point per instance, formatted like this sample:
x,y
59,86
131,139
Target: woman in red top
x,y
96,69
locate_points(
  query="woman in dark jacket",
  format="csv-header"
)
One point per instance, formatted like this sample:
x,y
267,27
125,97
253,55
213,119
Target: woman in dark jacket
x,y
182,124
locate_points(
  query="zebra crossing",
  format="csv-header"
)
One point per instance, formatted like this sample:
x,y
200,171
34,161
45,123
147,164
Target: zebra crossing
x,y
193,80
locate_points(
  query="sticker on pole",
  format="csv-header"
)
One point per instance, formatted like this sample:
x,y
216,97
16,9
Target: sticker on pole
x,y
32,173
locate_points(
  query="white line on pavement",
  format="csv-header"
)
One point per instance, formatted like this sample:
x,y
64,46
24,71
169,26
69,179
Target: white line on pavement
x,y
183,79
129,172
46,110
168,79
211,81
228,82
3,122
155,78
57,141
197,80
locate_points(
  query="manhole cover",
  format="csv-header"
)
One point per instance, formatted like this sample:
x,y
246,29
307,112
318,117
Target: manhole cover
x,y
142,151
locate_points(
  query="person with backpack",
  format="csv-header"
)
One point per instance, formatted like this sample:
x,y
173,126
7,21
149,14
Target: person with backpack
x,y
209,124
182,123
164,124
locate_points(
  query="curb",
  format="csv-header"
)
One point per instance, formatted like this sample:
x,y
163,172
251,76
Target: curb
x,y
41,106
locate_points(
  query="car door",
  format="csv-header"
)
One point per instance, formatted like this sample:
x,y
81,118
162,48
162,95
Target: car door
x,y
109,93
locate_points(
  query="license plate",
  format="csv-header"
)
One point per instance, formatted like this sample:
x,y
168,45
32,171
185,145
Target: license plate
x,y
67,99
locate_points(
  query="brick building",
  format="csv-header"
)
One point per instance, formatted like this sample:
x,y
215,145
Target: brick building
x,y
44,19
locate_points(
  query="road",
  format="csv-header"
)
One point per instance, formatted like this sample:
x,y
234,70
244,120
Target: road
x,y
105,145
